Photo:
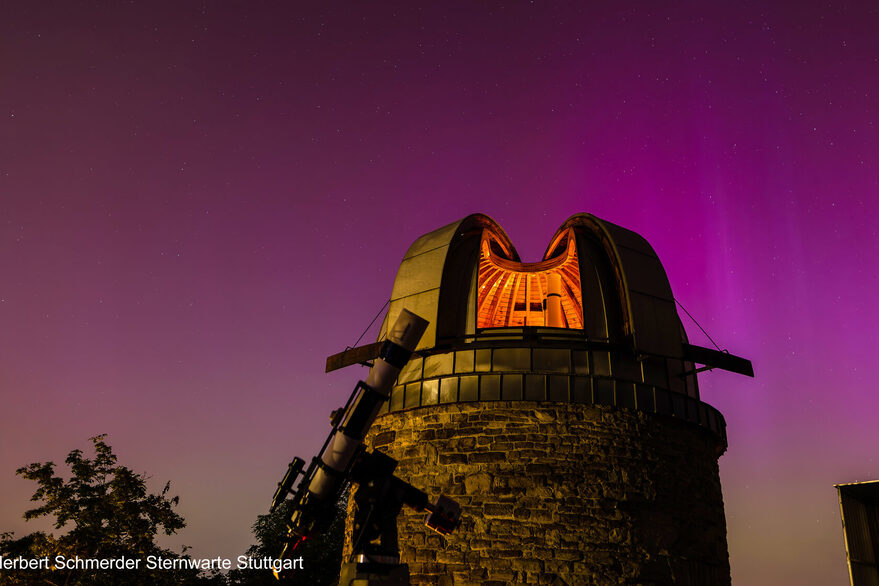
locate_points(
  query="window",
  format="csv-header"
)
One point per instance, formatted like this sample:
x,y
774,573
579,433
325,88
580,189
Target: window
x,y
469,388
490,387
448,390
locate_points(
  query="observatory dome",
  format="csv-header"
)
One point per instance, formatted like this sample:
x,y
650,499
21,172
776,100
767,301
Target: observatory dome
x,y
615,338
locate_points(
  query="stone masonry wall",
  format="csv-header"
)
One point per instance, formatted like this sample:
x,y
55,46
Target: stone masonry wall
x,y
559,494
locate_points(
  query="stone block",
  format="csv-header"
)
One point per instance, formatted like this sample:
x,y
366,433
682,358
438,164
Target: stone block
x,y
478,483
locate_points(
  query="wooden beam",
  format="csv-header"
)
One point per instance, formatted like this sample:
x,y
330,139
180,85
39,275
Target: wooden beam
x,y
718,359
358,355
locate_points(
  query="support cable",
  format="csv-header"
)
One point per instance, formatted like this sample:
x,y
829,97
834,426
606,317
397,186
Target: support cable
x,y
373,321
698,325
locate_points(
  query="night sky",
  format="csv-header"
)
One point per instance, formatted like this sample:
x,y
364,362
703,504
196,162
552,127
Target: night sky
x,y
199,202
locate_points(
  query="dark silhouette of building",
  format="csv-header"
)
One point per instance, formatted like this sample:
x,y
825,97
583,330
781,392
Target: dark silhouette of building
x,y
558,403
859,505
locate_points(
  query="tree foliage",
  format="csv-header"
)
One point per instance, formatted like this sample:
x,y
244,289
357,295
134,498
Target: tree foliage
x,y
104,510
322,554
107,512
108,505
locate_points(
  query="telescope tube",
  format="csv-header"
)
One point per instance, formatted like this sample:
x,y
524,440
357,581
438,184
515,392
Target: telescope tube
x,y
403,337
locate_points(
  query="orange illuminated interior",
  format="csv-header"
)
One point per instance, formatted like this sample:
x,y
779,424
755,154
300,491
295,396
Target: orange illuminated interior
x,y
512,294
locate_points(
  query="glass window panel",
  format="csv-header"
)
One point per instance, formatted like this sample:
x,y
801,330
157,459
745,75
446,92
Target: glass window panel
x,y
490,387
663,402
448,390
411,371
654,372
512,359
581,391
483,360
603,391
413,395
675,382
644,396
429,394
712,421
397,398
581,365
512,387
625,367
535,387
692,410
464,361
679,405
703,415
600,363
469,388
545,330
558,388
552,359
438,364
625,395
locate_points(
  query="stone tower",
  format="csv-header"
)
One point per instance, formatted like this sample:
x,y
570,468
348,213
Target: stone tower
x,y
557,402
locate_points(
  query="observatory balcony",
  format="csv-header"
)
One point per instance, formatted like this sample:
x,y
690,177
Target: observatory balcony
x,y
549,364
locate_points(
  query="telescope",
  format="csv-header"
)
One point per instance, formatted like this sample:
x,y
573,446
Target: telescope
x,y
344,460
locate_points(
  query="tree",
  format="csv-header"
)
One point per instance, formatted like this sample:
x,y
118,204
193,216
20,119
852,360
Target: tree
x,y
322,553
108,513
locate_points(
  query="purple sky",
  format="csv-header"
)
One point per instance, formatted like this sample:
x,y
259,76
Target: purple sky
x,y
200,201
